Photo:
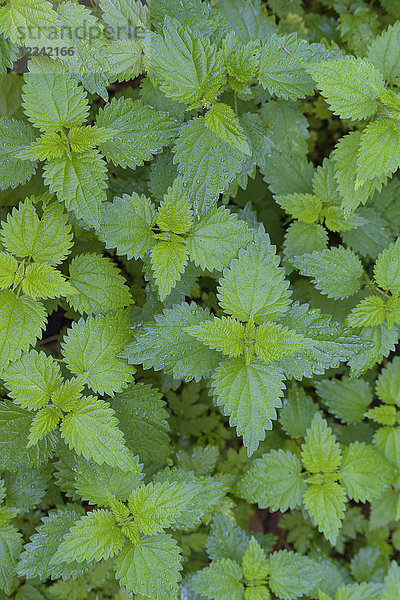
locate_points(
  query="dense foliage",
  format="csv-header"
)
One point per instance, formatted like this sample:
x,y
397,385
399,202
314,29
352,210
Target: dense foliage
x,y
199,300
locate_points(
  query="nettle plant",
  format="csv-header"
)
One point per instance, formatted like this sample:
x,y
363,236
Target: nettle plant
x,y
199,300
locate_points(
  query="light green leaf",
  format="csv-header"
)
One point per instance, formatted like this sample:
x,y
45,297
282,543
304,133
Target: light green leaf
x,y
320,451
379,153
168,262
336,272
207,163
92,430
222,120
156,506
47,238
100,285
305,207
347,85
32,379
126,225
95,483
41,280
94,537
91,349
151,569
383,52
221,581
291,575
369,311
249,395
142,132
254,286
165,345
184,65
392,582
274,342
8,270
223,334
18,19
52,98
254,563
302,238
175,213
15,136
326,504
215,239
361,472
45,421
79,182
23,321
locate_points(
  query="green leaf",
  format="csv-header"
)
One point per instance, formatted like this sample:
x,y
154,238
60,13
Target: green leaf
x,y
254,563
382,52
297,412
16,18
164,344
10,549
95,483
387,268
142,132
151,569
79,182
15,136
207,163
346,399
26,487
274,342
361,472
23,321
392,582
222,120
156,506
92,430
215,239
32,379
248,18
369,311
336,272
291,575
379,341
186,66
326,504
333,343
100,285
8,270
282,71
94,537
168,262
143,419
388,383
345,155
221,581
91,349
379,153
320,451
254,286
302,238
126,225
249,395
15,423
47,238
347,85
274,481
52,98
35,561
